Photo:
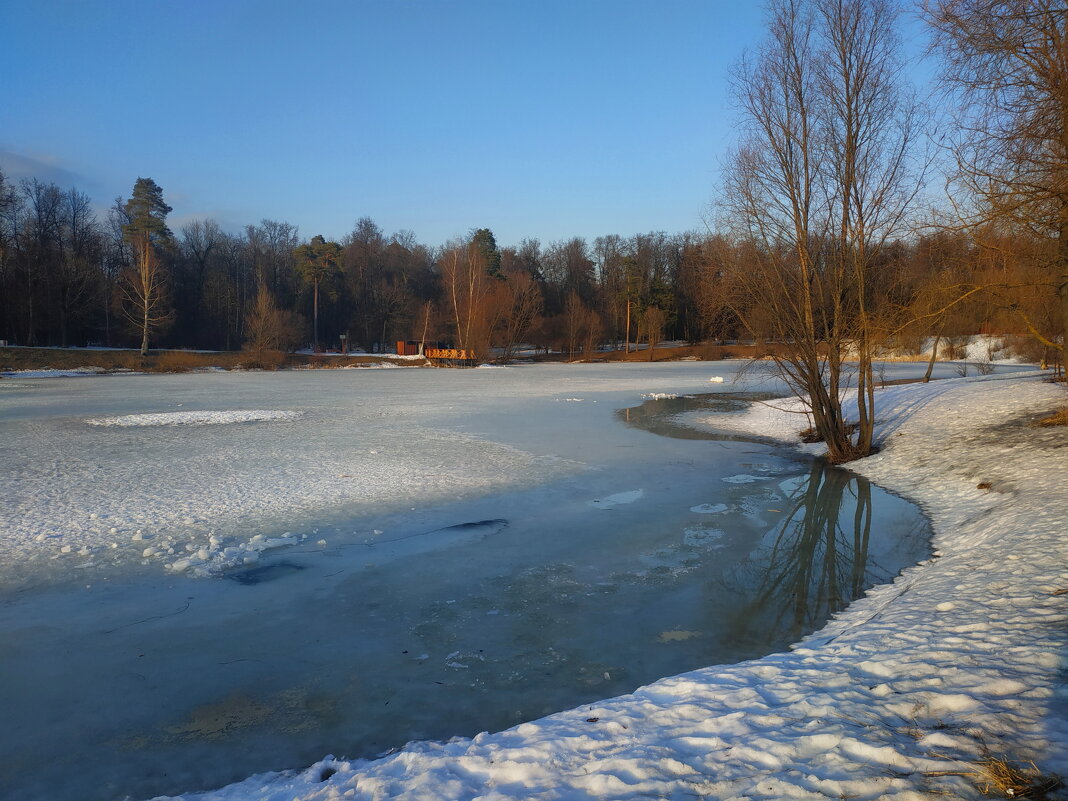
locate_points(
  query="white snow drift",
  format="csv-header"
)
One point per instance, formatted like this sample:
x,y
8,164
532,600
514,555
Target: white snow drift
x,y
204,418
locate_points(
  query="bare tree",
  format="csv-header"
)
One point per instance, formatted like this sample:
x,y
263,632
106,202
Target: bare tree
x,y
653,319
201,241
80,255
41,236
524,303
268,328
472,296
818,184
592,334
575,320
144,290
10,215
1006,61
870,126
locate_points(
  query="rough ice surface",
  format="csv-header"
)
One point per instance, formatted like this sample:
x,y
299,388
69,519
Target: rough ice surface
x,y
881,703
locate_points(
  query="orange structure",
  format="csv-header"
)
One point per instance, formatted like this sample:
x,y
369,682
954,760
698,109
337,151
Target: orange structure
x,y
437,356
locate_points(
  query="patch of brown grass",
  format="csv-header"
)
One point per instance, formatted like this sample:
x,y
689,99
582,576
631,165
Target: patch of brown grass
x,y
1059,418
1002,777
997,775
705,352
263,359
177,361
57,359
173,361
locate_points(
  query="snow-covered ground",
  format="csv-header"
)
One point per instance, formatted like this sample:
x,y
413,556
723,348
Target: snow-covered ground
x,y
55,373
896,698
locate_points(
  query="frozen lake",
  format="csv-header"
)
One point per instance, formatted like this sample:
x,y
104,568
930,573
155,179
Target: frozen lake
x,y
378,556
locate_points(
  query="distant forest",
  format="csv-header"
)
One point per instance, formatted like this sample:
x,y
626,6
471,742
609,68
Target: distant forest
x,y
69,277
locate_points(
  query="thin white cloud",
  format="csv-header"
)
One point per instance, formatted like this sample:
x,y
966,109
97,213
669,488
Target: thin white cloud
x,y
43,167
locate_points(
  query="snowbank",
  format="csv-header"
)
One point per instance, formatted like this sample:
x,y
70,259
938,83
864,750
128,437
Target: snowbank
x,y
204,418
960,653
55,373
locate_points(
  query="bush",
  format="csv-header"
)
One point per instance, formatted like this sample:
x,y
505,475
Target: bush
x,y
955,348
177,361
1027,349
268,328
263,359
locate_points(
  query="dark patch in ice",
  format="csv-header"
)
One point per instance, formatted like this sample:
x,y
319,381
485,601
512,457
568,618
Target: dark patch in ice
x,y
326,773
474,525
258,575
499,521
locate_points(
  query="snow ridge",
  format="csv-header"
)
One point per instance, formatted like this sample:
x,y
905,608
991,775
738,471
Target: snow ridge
x,y
204,418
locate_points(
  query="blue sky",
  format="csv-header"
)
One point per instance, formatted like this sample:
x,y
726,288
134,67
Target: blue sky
x,y
540,119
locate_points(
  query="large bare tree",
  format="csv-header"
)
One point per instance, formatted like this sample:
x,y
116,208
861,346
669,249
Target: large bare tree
x,y
819,184
1006,61
472,296
81,252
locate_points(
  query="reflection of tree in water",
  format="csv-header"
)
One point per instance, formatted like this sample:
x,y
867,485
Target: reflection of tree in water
x,y
814,563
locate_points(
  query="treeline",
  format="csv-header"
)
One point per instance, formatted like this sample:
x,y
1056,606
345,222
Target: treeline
x,y
71,277
67,277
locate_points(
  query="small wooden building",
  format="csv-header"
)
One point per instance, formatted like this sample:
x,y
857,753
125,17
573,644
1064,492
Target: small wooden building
x,y
411,347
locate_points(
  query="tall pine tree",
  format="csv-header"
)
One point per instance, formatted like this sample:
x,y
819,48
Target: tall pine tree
x,y
144,283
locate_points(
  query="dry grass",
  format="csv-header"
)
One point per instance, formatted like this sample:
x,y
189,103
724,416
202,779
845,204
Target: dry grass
x,y
172,361
47,358
1059,418
996,775
177,361
705,352
1001,777
263,359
